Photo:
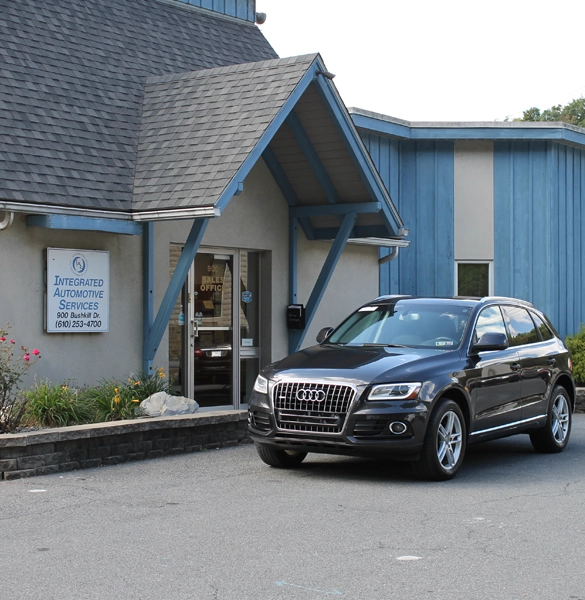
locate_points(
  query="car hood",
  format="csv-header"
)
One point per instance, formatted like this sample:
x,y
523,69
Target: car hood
x,y
359,364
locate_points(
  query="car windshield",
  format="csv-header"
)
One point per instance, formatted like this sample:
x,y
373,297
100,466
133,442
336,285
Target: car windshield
x,y
420,324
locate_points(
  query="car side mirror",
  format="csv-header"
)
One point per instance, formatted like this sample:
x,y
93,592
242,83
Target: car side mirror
x,y
490,341
324,334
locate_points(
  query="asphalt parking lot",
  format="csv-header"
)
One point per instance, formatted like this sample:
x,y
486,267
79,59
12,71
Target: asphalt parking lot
x,y
220,525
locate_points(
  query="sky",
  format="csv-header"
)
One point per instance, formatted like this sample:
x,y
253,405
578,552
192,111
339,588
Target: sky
x,y
439,60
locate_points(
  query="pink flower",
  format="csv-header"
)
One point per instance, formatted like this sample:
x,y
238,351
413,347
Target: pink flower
x,y
26,357
35,352
12,342
2,339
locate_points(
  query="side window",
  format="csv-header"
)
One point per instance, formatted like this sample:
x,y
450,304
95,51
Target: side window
x,y
489,321
521,325
473,279
545,332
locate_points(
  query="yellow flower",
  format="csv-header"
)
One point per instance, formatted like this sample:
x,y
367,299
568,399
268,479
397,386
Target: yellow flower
x,y
117,399
63,387
137,383
161,372
116,391
135,400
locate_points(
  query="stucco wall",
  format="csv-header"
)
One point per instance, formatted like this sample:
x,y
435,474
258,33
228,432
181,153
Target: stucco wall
x,y
84,357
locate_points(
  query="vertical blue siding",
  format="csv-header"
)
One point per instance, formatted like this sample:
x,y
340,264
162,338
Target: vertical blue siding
x,y
419,176
538,193
241,9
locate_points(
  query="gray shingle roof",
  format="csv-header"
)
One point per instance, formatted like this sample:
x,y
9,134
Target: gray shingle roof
x,y
198,128
72,76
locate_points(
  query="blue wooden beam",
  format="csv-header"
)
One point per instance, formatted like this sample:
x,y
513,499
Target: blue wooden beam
x,y
85,224
293,262
335,209
296,336
360,231
147,290
286,188
267,136
359,154
174,288
313,158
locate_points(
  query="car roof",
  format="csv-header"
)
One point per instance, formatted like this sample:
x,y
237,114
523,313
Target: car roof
x,y
466,300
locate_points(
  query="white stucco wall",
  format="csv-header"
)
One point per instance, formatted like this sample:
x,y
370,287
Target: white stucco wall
x,y
474,200
84,357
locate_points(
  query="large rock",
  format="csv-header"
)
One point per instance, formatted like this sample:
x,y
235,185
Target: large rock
x,y
162,404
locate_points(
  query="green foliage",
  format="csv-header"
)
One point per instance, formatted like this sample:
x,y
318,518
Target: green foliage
x,y
573,113
576,344
56,405
113,401
13,366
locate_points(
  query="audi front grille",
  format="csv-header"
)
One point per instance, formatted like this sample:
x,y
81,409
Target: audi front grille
x,y
313,407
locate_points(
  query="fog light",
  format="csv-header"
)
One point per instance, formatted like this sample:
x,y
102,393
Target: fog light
x,y
397,427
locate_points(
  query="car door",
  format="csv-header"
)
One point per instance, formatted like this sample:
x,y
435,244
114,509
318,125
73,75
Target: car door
x,y
536,356
493,379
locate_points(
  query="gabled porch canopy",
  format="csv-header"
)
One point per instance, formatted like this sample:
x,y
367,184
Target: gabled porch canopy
x,y
203,132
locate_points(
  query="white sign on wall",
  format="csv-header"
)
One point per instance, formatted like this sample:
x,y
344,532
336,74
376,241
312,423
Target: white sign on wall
x,y
78,290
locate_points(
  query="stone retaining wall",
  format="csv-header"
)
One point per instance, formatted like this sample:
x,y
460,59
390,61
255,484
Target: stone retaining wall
x,y
86,446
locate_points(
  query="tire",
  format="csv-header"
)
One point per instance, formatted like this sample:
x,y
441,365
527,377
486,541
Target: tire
x,y
554,436
445,443
282,459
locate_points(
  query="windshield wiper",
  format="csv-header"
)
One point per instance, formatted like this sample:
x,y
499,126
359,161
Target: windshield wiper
x,y
384,345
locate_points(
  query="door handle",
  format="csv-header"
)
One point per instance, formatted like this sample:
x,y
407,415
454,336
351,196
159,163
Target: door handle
x,y
515,366
551,361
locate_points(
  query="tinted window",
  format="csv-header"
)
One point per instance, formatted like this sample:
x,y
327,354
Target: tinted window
x,y
473,279
490,320
545,332
521,325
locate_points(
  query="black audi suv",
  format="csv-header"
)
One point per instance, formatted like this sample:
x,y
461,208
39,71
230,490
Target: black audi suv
x,y
418,379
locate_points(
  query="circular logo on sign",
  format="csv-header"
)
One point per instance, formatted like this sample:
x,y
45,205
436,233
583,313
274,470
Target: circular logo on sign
x,y
79,264
247,297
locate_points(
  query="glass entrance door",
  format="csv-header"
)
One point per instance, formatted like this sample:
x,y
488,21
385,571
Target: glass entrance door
x,y
212,329
214,333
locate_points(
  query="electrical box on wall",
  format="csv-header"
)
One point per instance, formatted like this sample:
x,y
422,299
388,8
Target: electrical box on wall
x,y
295,316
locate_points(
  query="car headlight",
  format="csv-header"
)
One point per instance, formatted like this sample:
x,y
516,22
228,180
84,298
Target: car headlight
x,y
395,391
261,385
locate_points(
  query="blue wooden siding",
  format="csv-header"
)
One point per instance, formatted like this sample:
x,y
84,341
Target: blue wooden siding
x,y
241,9
419,176
539,188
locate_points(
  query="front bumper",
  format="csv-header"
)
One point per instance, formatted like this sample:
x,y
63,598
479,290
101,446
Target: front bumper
x,y
366,429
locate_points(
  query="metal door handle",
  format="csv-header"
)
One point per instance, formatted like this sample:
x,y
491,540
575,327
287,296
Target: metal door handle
x,y
551,361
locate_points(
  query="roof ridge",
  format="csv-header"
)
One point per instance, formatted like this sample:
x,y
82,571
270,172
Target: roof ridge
x,y
235,68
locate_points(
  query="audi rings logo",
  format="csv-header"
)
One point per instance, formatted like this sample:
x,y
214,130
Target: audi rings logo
x,y
311,395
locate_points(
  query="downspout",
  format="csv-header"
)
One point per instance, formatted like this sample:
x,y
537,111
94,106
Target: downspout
x,y
393,254
6,219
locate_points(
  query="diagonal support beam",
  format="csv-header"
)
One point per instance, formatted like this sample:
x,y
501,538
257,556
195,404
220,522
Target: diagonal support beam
x,y
296,337
313,158
174,288
286,188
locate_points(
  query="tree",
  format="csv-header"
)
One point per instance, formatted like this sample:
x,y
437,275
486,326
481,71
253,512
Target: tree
x,y
573,113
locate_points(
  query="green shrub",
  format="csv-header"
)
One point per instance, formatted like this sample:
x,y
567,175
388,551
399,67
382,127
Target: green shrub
x,y
113,401
56,405
145,385
576,344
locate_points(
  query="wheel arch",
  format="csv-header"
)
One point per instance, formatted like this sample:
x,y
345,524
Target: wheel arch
x,y
461,399
566,382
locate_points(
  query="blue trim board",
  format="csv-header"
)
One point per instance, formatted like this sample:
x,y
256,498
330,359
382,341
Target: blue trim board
x,y
267,136
147,288
359,153
296,336
293,259
74,223
466,132
335,209
174,288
